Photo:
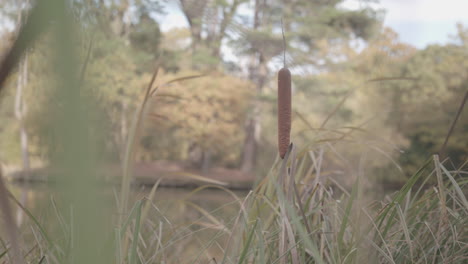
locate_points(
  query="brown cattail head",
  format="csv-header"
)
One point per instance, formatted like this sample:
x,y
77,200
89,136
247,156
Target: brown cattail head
x,y
284,110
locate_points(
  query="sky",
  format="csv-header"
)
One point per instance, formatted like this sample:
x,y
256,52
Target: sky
x,y
423,22
418,22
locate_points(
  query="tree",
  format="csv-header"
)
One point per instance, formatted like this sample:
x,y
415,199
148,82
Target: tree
x,y
427,106
198,119
210,23
413,98
306,24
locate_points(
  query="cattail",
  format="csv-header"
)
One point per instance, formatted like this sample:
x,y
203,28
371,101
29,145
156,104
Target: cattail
x,y
284,110
284,103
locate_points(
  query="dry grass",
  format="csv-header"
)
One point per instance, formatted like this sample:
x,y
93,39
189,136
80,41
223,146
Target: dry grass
x,y
293,217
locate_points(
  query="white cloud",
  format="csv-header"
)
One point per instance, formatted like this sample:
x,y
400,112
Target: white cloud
x,y
425,10
421,22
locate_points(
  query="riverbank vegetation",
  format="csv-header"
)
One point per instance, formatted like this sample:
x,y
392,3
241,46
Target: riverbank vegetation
x,y
282,220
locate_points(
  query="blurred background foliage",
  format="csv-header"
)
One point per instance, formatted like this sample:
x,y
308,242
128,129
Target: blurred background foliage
x,y
356,88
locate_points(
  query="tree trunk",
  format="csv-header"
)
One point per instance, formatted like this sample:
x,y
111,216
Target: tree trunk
x,y
258,73
193,11
214,30
120,23
206,161
249,151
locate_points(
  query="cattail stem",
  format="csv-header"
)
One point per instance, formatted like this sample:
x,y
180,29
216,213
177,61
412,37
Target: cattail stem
x,y
284,44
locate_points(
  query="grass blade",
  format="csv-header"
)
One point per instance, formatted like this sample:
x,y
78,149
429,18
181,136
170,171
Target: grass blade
x,y
246,248
136,232
456,186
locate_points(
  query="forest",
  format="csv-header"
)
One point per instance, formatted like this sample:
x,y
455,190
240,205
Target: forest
x,y
394,101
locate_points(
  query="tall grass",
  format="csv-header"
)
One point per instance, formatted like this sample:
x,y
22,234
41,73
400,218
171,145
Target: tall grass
x,y
293,222
293,217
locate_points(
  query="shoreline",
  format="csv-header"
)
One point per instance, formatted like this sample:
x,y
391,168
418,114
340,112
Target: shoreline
x,y
168,174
